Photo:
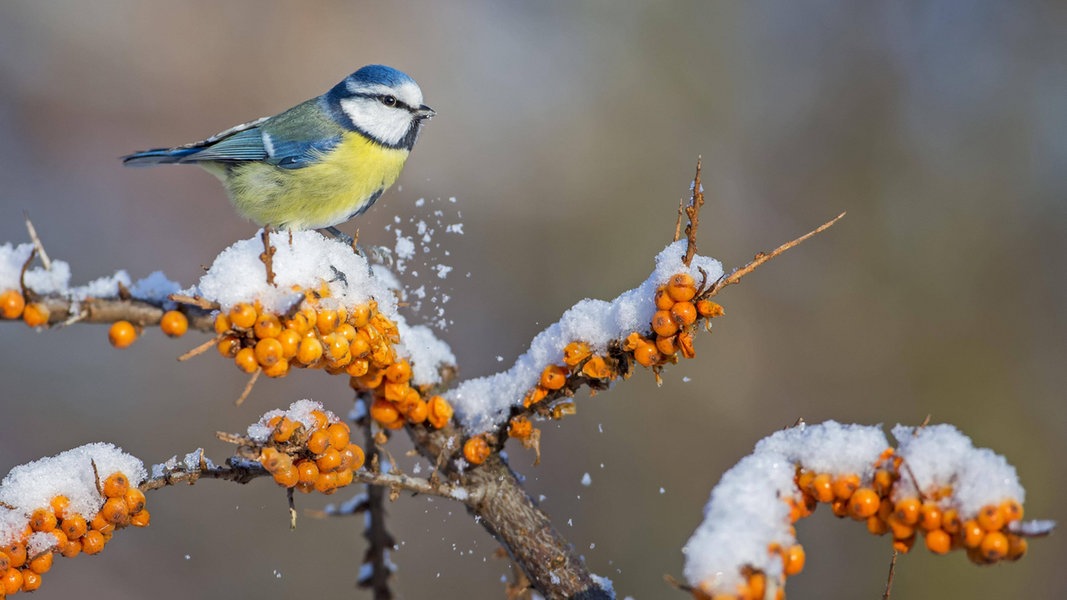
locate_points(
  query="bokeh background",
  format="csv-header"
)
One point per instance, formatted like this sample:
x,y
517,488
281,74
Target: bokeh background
x,y
567,132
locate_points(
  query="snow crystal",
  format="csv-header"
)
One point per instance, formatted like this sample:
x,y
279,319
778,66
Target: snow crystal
x,y
299,411
587,480
405,248
154,288
483,403
11,260
426,353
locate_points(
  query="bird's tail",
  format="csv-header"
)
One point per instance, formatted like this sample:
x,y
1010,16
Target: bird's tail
x,y
159,156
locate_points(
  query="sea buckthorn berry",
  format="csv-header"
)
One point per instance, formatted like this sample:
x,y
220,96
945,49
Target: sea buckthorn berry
x,y
99,523
938,541
174,323
5,562
757,586
907,510
877,526
663,324
135,500
1011,510
901,530
326,483
709,309
320,418
440,412
536,395
140,519
318,442
71,549
803,479
12,581
667,346
243,316
272,460
329,461
246,360
284,430
59,505
360,316
92,542
684,313
793,560
41,563
384,411
990,518
339,433
632,341
115,511
476,450
845,485
122,334
307,471
326,321
950,521
646,354
336,346
903,545
397,424
310,351
684,340
344,477
346,331
663,299
576,352
16,554
395,392
418,412
596,368
883,481
228,346
298,323
930,516
682,287
267,325
863,503
278,369
11,304
839,508
268,352
35,314
972,533
354,456
553,377
286,477
371,380
359,346
43,520
1016,547
822,488
222,323
116,485
994,546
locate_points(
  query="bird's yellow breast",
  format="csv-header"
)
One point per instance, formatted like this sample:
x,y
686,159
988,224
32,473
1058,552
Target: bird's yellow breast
x,y
342,183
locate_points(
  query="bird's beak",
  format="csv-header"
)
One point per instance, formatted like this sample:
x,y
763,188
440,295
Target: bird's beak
x,y
424,113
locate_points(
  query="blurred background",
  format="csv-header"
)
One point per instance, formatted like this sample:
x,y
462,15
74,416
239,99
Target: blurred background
x,y
567,132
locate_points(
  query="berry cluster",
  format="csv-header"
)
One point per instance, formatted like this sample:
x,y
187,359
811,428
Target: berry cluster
x,y
395,402
55,529
315,456
13,305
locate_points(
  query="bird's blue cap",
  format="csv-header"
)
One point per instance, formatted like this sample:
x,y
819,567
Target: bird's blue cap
x,y
381,74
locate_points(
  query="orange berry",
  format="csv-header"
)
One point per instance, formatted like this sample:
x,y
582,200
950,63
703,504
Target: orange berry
x,y
822,488
663,324
803,479
709,309
440,412
877,526
140,519
59,505
135,500
839,508
901,530
329,461
318,442
357,459
536,395
92,542
99,523
576,352
994,546
16,554
794,560
990,518
358,367
283,430
399,372
243,316
972,533
359,345
321,420
930,516
907,510
1016,547
384,411
174,323
663,299
310,351
682,287
646,354
43,520
267,326
228,346
417,412
596,368
268,352
938,541
395,392
326,321
278,369
71,549
684,340
41,563
684,313
344,477
845,485
116,485
553,377
360,316
307,471
36,314
116,512
222,323
903,545
632,341
11,304
121,334
883,481
286,477
950,521
667,346
246,360
272,460
1011,510
326,483
476,450
339,433
12,581
863,503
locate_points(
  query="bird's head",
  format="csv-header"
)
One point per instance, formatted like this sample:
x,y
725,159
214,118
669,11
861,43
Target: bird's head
x,y
382,103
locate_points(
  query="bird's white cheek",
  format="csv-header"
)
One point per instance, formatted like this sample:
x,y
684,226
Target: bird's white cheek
x,y
385,124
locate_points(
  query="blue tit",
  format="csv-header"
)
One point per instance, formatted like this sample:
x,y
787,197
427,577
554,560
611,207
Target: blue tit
x,y
319,163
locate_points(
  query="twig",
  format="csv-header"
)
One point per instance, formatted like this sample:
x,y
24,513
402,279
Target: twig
x,y
889,580
693,212
268,255
202,348
763,257
248,387
678,221
378,538
196,301
37,243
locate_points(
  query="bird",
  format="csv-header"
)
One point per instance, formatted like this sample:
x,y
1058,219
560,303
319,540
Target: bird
x,y
319,163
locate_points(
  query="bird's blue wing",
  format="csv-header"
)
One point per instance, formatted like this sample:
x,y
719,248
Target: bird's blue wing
x,y
291,154
241,146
